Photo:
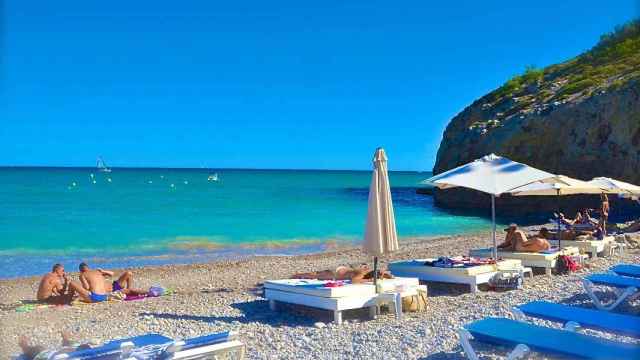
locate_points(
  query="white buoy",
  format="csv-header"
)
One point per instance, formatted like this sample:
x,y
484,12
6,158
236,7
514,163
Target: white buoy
x,y
150,182
91,175
161,176
186,182
73,183
109,179
173,185
94,181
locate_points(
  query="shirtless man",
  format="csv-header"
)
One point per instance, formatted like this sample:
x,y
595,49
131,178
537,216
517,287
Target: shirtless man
x,y
355,274
53,287
96,289
516,240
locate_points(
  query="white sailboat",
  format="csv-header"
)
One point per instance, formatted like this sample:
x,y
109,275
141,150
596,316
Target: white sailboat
x,y
102,166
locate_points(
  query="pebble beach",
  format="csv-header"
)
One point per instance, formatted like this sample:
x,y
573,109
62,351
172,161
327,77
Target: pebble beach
x,y
225,296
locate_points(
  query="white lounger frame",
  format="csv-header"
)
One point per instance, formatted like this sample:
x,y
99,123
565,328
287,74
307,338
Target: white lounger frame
x,y
339,304
629,294
471,280
233,349
521,351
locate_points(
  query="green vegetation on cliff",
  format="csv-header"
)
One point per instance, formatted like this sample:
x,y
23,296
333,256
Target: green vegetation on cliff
x,y
612,62
580,118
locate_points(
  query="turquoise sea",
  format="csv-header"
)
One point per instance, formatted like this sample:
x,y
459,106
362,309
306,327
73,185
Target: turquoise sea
x,y
133,217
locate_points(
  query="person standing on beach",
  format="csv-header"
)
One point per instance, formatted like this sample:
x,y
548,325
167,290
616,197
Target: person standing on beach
x,y
604,213
53,287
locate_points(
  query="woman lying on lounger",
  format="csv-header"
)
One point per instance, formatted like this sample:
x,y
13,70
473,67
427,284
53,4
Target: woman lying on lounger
x,y
516,240
357,274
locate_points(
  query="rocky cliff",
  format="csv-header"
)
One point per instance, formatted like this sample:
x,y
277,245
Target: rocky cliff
x,y
580,118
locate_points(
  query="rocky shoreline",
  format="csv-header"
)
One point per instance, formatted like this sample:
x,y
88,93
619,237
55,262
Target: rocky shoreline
x,y
224,295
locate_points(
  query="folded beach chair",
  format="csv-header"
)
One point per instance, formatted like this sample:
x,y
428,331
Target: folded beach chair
x,y
573,317
631,270
115,349
158,347
526,337
625,288
213,346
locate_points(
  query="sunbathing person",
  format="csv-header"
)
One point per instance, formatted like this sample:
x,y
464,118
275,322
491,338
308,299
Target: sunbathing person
x,y
516,240
357,274
38,352
53,287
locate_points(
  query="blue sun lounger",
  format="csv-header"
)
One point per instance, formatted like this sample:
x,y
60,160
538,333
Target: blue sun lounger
x,y
573,316
526,337
625,288
631,270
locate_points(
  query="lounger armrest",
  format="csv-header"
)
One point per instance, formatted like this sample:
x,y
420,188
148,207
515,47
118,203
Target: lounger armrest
x,y
518,314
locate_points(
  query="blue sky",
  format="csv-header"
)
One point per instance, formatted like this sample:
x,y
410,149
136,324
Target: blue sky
x,y
265,84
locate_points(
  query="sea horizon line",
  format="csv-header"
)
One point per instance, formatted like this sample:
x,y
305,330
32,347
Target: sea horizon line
x,y
68,167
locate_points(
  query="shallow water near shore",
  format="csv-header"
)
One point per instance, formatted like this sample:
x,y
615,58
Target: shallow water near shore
x,y
135,217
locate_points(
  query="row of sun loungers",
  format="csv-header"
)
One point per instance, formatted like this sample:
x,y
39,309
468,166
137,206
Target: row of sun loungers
x,y
339,296
524,337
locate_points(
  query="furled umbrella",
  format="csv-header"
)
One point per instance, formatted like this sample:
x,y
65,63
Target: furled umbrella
x,y
558,185
491,174
380,237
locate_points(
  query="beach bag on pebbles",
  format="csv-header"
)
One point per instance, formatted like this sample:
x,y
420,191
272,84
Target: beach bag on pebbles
x,y
415,303
566,264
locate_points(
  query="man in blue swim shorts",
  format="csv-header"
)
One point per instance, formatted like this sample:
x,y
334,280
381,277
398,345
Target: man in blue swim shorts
x,y
93,288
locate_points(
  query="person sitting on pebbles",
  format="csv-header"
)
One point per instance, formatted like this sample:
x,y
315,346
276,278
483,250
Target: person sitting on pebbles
x,y
516,240
39,352
93,288
54,286
357,274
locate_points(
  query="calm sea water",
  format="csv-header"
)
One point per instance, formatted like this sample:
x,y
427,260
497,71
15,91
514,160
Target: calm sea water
x,y
133,217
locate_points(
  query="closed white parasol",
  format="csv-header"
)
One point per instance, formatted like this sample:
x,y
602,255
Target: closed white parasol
x,y
380,235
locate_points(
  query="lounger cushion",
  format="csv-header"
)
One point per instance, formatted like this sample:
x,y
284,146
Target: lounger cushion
x,y
589,318
509,332
626,270
114,346
614,280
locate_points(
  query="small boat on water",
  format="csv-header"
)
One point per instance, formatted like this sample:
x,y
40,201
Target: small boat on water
x,y
102,166
213,177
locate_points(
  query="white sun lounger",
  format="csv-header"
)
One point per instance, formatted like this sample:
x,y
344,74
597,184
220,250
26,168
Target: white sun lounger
x,y
472,276
537,260
625,288
592,247
314,294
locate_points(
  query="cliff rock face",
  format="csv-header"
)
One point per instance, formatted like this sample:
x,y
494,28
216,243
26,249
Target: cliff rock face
x,y
580,118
